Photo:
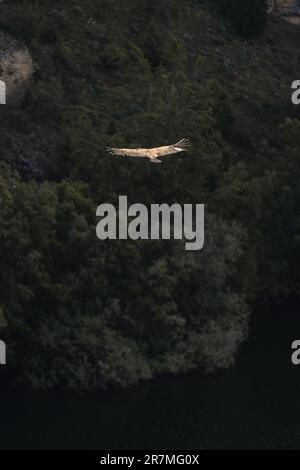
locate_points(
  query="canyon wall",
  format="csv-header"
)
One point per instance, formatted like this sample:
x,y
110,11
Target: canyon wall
x,y
16,65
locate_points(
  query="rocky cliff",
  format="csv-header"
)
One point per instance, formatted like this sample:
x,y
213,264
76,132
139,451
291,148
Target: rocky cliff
x,y
288,8
16,65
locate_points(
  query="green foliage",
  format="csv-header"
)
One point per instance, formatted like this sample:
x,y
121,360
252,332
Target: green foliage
x,y
89,317
79,313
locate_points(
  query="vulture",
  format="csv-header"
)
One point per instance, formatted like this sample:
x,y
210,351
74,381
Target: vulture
x,y
151,153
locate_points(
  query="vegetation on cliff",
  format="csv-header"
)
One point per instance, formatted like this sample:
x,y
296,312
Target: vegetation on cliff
x,y
79,313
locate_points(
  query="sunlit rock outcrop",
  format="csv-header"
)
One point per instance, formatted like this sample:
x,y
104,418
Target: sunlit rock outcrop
x,y
290,9
16,65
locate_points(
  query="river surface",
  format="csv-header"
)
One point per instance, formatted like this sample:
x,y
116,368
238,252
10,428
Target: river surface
x,y
254,405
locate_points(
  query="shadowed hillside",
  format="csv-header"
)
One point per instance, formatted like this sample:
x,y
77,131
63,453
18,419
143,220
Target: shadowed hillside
x,y
80,313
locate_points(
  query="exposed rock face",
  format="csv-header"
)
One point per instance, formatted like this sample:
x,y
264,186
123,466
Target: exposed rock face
x,y
16,65
285,7
16,69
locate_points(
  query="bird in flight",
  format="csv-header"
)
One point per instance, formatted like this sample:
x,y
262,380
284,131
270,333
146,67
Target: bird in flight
x,y
153,153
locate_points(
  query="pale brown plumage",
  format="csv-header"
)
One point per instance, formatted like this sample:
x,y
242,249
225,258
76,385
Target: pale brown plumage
x,y
153,153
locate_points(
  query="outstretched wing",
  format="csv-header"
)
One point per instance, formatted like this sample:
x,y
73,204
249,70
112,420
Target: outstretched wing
x,y
181,146
126,152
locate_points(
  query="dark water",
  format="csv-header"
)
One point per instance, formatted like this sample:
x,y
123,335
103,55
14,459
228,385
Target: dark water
x,y
255,405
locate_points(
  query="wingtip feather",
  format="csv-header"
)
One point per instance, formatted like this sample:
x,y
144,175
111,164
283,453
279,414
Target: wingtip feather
x,y
110,150
183,144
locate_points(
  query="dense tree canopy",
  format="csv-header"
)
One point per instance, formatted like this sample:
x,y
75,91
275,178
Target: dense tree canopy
x,y
81,313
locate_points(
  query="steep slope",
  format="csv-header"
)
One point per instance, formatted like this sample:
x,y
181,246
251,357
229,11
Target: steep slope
x,y
80,313
16,66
